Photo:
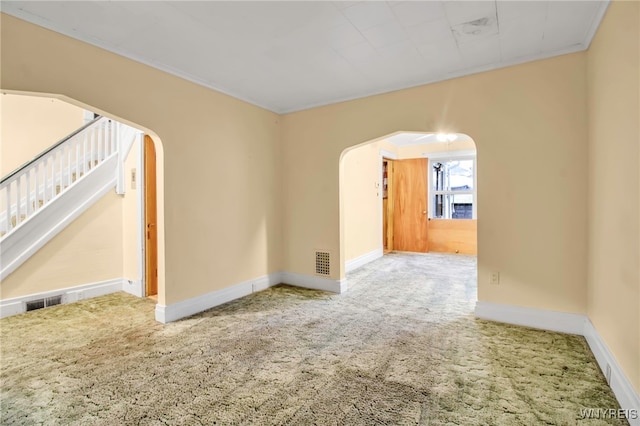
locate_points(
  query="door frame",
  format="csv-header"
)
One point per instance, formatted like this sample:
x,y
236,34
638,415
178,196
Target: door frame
x,y
381,156
140,212
143,217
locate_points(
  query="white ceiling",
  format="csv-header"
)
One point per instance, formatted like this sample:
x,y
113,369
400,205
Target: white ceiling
x,y
288,56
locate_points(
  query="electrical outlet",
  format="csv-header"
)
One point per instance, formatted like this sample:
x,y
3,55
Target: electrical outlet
x,y
495,278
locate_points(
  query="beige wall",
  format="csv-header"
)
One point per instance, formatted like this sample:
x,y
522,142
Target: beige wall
x,y
529,125
614,184
362,193
89,250
222,205
30,124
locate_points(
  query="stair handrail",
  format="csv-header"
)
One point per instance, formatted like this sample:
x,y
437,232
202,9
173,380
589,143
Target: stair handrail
x,y
49,149
29,188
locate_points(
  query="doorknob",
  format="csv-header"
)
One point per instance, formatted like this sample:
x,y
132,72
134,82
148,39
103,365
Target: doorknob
x,y
424,212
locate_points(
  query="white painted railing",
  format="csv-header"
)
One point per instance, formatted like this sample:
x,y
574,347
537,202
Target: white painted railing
x,y
35,184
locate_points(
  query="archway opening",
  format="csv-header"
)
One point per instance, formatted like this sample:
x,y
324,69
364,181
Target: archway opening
x,y
407,193
117,228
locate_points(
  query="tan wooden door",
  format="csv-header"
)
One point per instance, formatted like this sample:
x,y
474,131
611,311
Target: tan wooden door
x,y
150,214
410,224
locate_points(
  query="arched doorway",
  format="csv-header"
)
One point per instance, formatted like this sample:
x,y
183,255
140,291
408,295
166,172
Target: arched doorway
x,y
409,192
119,218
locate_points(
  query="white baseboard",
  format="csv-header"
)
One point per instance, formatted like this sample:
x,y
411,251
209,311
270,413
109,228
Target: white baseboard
x,y
529,317
622,388
314,282
17,305
359,261
133,287
620,384
195,305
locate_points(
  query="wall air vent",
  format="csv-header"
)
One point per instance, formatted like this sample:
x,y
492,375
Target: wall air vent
x,y
32,305
323,263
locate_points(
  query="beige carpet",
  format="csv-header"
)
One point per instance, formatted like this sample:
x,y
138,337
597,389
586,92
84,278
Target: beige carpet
x,y
401,347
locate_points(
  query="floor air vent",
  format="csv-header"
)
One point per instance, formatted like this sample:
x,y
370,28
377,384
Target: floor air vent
x,y
32,305
323,263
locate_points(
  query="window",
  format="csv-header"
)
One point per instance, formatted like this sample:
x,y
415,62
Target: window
x,y
453,186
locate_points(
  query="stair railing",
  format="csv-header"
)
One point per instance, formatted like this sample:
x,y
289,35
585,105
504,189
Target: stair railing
x,y
31,186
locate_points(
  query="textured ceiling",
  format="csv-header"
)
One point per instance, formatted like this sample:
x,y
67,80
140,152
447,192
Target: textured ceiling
x,y
288,56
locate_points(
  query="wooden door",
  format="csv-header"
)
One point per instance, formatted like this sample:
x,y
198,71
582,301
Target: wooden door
x,y
150,214
387,205
410,224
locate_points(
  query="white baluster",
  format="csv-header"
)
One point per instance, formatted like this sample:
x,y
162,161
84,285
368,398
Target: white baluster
x,y
37,179
29,208
107,141
93,148
115,128
53,175
18,199
69,148
101,143
98,138
61,154
84,153
44,180
8,211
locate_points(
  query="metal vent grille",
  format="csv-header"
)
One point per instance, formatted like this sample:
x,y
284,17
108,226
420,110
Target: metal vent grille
x,y
32,305
323,263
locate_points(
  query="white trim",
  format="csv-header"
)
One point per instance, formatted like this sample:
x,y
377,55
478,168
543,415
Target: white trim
x,y
195,305
141,225
46,223
531,317
132,287
622,388
387,154
314,282
17,305
578,324
391,156
359,261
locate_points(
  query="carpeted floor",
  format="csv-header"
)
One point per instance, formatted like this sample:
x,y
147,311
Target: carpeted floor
x,y
401,347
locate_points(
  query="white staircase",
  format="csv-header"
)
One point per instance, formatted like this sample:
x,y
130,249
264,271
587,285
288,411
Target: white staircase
x,y
43,196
